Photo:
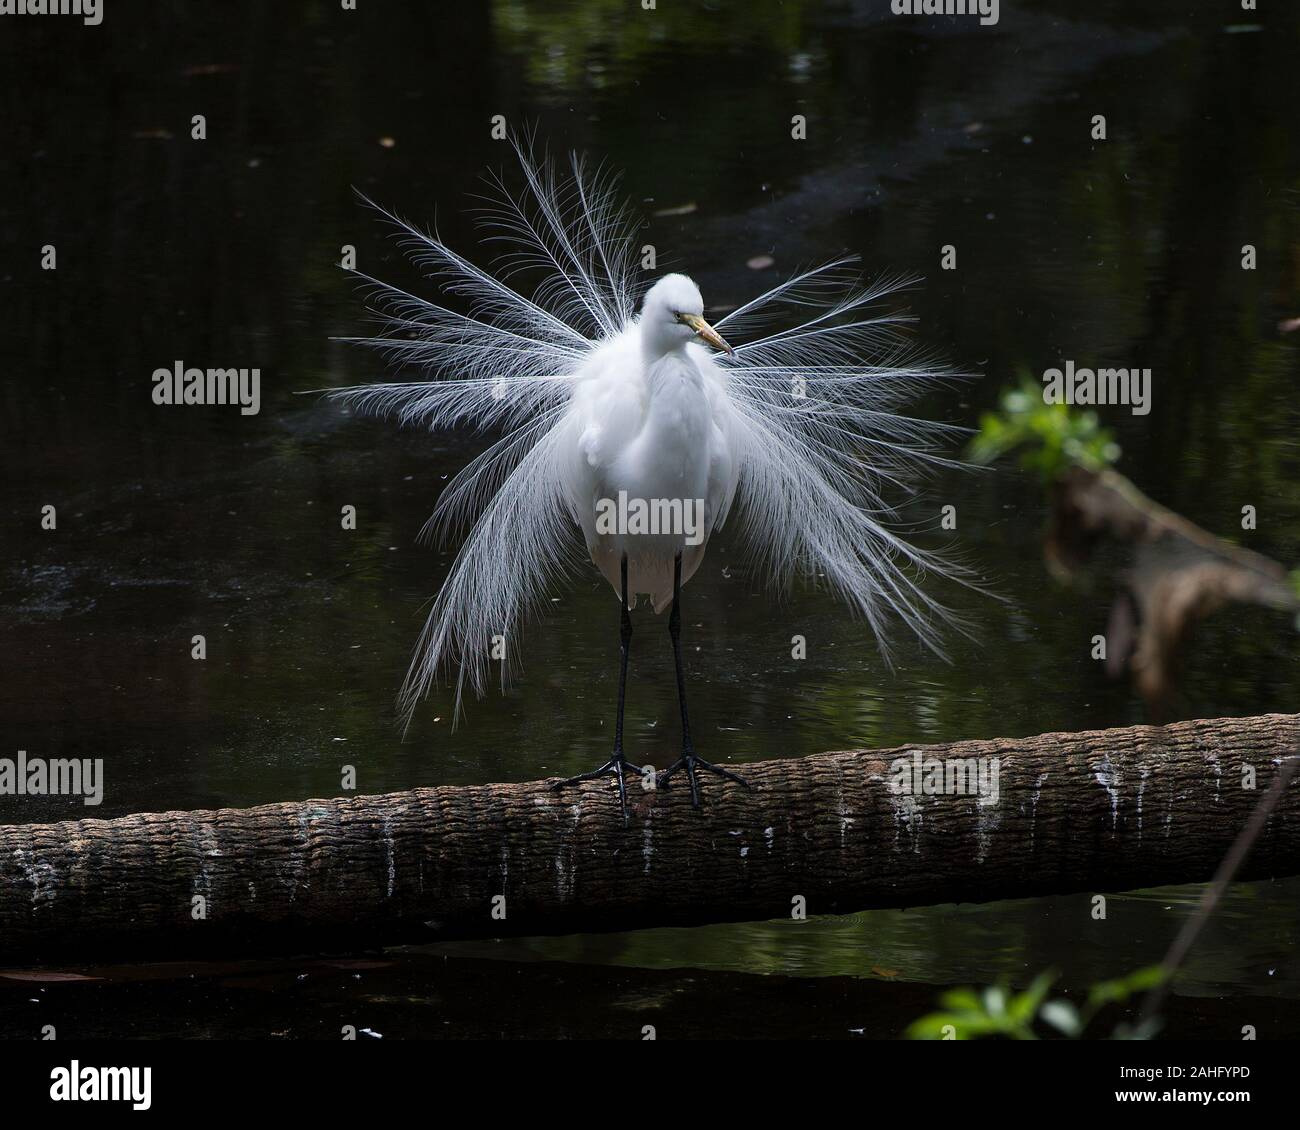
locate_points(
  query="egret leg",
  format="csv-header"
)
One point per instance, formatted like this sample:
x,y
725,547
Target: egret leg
x,y
688,760
617,763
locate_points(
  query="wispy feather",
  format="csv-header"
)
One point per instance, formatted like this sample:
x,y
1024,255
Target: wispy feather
x,y
810,397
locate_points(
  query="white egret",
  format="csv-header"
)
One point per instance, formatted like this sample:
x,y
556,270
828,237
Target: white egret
x,y
638,426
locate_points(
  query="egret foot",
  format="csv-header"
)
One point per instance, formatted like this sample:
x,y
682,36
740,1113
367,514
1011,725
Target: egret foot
x,y
615,767
691,763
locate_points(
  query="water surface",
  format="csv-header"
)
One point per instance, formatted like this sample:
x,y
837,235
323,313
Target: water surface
x,y
175,522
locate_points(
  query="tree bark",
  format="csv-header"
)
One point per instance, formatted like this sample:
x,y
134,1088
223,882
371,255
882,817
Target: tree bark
x,y
1098,811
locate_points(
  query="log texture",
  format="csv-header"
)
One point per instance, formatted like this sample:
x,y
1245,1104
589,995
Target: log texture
x,y
1098,811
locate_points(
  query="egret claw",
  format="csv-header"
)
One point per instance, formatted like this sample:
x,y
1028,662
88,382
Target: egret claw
x,y
691,763
617,766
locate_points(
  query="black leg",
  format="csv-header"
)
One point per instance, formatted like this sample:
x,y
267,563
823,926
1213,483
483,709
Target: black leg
x,y
624,648
617,763
688,760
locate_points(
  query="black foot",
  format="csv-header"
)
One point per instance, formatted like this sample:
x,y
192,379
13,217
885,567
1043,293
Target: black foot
x,y
691,763
616,766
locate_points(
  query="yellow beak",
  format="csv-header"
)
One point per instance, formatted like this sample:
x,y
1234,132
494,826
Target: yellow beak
x,y
705,331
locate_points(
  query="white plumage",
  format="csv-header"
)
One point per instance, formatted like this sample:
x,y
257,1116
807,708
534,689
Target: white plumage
x,y
651,420
595,392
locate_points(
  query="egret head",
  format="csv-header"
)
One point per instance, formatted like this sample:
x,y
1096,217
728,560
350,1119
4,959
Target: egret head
x,y
673,314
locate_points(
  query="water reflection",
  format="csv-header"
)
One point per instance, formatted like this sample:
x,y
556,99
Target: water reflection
x,y
971,943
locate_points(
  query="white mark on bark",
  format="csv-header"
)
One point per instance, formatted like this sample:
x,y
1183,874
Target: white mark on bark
x,y
1109,779
566,870
208,847
295,873
40,874
907,814
1142,788
769,835
1033,805
390,855
842,809
987,819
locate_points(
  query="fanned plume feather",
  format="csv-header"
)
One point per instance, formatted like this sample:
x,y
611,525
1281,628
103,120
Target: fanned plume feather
x,y
816,432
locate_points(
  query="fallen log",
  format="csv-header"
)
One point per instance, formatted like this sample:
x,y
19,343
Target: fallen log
x,y
1097,811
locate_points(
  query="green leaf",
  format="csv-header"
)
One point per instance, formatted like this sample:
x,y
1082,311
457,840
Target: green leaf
x,y
932,1027
962,1000
1107,992
1024,1005
1053,436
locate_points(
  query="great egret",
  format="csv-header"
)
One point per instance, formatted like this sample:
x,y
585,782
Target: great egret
x,y
631,429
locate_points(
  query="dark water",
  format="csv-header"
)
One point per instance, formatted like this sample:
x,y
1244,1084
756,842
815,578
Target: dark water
x,y
174,522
